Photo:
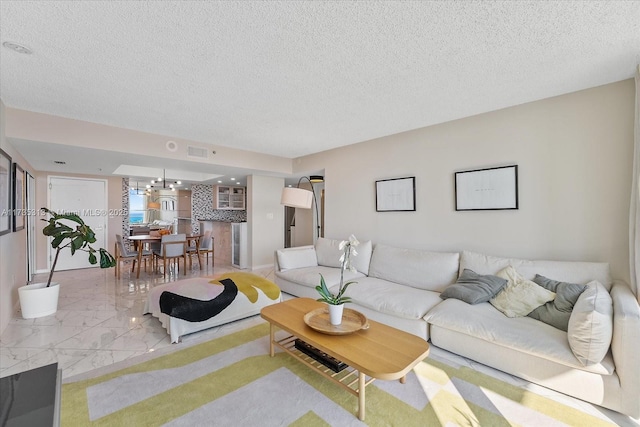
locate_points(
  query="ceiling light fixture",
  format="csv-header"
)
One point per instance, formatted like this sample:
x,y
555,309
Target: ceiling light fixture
x,y
137,190
17,48
163,180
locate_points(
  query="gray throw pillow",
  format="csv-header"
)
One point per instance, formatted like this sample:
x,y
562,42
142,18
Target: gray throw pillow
x,y
557,312
474,288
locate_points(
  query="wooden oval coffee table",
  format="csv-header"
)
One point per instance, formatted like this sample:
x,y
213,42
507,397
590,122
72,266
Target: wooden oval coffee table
x,y
379,352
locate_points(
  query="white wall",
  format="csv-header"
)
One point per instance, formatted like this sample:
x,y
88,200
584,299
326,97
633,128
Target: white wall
x,y
13,246
574,155
265,217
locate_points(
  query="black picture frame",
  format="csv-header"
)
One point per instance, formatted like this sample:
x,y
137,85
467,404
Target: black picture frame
x,y
6,188
396,195
19,198
487,189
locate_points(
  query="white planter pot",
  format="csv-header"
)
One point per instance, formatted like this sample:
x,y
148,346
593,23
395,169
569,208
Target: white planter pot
x,y
335,314
36,300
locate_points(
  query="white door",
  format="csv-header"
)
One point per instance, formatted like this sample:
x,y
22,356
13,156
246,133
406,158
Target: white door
x,y
87,198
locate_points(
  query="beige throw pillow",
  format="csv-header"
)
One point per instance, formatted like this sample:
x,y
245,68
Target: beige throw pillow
x,y
591,324
520,296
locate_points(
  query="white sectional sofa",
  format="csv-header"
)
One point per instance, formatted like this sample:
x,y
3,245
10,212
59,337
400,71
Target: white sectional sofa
x,y
402,287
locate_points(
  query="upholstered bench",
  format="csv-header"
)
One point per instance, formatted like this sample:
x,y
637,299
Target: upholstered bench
x,y
192,305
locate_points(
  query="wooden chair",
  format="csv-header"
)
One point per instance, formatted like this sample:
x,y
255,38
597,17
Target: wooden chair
x,y
205,246
172,247
121,253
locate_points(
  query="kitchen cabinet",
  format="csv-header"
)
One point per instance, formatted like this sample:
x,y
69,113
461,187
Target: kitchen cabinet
x,y
228,197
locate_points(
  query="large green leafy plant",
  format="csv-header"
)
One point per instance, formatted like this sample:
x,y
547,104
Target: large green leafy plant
x,y
348,250
70,231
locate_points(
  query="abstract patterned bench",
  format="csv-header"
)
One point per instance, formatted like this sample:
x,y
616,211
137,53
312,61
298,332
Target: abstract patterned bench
x,y
192,305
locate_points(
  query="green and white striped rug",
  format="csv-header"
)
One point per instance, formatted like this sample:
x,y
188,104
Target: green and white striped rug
x,y
232,381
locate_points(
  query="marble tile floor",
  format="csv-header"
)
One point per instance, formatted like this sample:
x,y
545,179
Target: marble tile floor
x,y
100,322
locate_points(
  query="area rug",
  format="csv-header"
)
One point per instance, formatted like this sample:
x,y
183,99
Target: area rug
x,y
232,381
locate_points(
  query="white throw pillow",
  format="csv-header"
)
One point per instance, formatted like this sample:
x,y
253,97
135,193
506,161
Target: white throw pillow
x,y
362,260
328,252
520,296
591,324
297,258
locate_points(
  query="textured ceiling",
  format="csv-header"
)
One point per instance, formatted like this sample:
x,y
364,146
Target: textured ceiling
x,y
294,78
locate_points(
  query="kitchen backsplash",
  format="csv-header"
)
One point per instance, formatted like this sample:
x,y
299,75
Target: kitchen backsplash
x,y
202,208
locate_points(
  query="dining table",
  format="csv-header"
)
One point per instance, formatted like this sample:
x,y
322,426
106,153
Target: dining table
x,y
141,239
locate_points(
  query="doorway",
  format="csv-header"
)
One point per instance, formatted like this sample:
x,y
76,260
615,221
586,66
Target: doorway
x,y
88,199
31,226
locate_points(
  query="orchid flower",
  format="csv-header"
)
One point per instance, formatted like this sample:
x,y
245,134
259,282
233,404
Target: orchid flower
x,y
348,250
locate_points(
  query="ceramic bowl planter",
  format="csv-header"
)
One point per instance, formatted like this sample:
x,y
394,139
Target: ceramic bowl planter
x,y
38,300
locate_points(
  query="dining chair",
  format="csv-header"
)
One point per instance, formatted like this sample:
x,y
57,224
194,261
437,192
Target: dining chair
x,y
205,247
123,253
172,247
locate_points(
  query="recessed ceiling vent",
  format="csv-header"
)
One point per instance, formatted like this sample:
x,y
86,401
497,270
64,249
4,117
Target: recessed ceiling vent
x,y
201,153
59,162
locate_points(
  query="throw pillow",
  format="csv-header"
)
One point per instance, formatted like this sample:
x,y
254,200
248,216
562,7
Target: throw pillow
x,y
474,288
328,252
297,258
362,260
557,312
591,324
520,296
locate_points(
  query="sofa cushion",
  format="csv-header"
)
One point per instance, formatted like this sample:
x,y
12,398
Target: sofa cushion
x,y
297,258
391,298
557,312
310,276
566,271
520,333
520,296
591,324
474,288
432,271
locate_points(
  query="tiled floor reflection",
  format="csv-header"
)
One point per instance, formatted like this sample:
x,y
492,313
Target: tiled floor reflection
x,y
99,321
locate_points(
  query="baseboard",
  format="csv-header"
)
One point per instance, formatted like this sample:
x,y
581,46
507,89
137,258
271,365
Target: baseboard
x,y
261,267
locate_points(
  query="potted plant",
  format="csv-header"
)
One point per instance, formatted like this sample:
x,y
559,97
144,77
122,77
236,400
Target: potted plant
x,y
68,231
336,302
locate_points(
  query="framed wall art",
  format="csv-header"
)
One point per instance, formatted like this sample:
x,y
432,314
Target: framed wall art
x,y
487,189
397,194
19,198
5,193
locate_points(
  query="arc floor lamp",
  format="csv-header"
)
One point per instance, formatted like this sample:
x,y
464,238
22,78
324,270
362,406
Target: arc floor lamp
x,y
297,197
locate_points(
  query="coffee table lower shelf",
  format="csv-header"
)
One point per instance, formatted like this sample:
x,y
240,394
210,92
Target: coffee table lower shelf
x,y
349,378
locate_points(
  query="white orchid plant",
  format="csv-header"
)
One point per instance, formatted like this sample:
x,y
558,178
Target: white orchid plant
x,y
348,248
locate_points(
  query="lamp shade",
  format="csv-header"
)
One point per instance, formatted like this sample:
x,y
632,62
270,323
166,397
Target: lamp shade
x,y
153,205
296,197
